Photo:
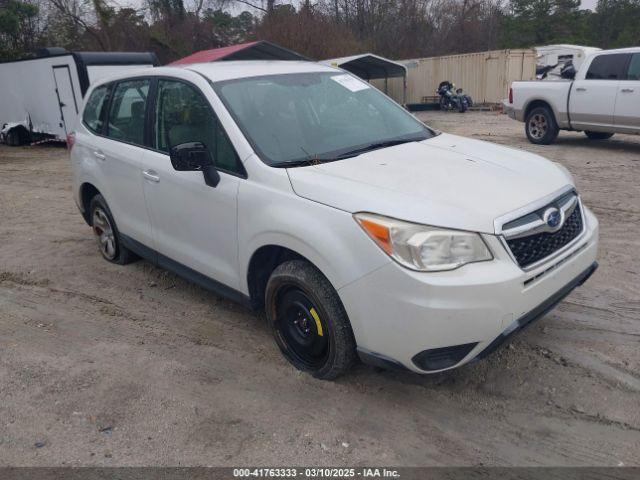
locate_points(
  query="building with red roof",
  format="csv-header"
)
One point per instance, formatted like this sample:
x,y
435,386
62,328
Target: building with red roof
x,y
259,50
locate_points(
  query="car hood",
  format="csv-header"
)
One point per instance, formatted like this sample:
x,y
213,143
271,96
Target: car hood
x,y
445,181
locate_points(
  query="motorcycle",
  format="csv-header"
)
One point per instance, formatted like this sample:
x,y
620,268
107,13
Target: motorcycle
x,y
466,97
450,99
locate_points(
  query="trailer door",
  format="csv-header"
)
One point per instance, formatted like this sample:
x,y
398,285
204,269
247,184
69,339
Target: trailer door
x,y
66,97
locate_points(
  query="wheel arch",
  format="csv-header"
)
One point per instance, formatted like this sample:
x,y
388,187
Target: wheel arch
x,y
262,263
22,131
87,192
539,103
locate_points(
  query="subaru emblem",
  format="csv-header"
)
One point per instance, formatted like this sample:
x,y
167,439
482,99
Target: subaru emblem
x,y
553,218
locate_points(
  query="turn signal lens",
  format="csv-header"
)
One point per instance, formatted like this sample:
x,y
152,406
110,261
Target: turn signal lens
x,y
421,247
378,232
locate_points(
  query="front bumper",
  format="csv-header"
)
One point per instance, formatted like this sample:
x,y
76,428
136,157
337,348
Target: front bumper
x,y
397,314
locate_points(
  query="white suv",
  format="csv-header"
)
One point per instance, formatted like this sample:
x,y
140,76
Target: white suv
x,y
299,189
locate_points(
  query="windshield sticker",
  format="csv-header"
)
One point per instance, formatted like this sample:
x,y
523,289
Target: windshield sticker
x,y
350,83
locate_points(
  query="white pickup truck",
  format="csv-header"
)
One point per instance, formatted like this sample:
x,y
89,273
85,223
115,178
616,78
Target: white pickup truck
x,y
601,99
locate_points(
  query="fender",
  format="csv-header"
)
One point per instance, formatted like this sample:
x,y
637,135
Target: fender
x,y
561,118
319,233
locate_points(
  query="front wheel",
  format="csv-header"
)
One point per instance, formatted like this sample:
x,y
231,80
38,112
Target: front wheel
x,y
106,233
308,320
598,135
541,127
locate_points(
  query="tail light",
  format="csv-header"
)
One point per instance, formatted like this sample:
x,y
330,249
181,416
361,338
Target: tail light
x,y
510,95
71,139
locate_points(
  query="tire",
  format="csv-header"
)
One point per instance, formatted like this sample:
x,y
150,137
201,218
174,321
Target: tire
x,y
541,127
443,104
14,139
462,106
106,232
308,320
598,135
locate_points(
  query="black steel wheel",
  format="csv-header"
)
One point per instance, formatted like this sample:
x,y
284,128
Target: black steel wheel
x,y
303,332
308,320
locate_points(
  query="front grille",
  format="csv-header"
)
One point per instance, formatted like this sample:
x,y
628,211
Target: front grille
x,y
531,249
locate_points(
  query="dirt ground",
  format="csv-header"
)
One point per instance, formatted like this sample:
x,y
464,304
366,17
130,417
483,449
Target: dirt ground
x,y
108,365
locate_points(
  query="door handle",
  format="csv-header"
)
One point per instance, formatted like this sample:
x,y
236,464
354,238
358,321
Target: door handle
x,y
151,175
581,89
99,155
627,90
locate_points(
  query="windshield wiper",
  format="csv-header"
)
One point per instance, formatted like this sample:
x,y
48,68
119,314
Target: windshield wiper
x,y
375,146
310,161
305,162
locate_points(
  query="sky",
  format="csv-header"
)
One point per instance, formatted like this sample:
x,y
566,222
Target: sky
x,y
590,4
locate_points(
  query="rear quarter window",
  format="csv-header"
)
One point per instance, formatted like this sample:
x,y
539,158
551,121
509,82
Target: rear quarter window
x,y
93,116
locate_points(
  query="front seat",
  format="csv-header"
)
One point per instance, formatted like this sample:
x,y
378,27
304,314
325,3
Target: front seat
x,y
135,129
196,125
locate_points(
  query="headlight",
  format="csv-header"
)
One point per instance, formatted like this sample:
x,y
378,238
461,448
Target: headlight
x,y
424,248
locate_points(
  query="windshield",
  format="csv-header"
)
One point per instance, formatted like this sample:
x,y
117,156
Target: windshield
x,y
319,116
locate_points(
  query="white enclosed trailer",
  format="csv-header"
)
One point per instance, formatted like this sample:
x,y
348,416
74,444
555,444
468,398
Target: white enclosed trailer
x,y
40,97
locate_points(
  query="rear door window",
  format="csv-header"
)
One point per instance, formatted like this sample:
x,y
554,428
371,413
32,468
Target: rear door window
x,y
184,115
608,67
633,73
93,115
127,112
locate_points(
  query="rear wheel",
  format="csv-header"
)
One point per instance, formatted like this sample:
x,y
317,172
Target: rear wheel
x,y
14,138
598,135
106,233
541,127
308,320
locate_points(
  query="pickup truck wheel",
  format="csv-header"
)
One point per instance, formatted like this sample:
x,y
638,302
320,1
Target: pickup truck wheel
x,y
308,320
106,232
541,127
598,135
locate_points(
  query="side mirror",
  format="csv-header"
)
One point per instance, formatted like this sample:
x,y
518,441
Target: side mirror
x,y
195,157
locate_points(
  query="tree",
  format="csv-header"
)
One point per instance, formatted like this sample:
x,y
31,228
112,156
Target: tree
x,y
18,28
227,29
616,23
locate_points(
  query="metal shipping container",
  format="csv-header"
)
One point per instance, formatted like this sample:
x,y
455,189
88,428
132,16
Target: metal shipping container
x,y
486,76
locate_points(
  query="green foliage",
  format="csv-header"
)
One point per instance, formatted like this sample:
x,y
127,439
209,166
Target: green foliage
x,y
616,23
16,24
325,28
167,9
542,22
228,29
